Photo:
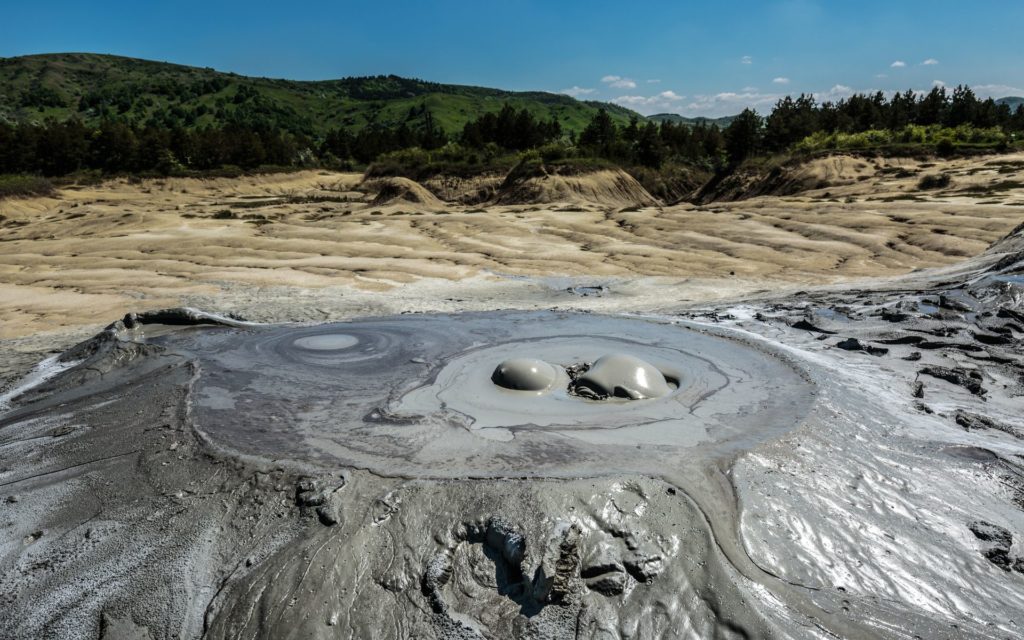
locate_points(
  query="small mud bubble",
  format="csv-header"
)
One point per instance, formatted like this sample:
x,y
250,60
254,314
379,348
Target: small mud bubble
x,y
587,291
619,375
525,374
327,342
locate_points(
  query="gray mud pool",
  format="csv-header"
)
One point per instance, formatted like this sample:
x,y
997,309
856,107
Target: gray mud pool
x,y
424,395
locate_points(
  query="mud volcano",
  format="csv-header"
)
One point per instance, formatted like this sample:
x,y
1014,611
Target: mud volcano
x,y
417,395
619,375
525,374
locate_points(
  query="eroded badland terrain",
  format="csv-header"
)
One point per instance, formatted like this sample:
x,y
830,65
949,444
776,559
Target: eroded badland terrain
x,y
309,442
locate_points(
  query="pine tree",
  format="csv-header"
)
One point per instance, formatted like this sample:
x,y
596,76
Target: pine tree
x,y
743,136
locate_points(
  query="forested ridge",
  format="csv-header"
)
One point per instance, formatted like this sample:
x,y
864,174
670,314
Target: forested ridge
x,y
70,113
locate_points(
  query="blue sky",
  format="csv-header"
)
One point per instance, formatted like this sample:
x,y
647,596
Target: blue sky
x,y
707,58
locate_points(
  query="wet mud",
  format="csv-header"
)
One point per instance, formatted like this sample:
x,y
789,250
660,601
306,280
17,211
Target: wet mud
x,y
415,395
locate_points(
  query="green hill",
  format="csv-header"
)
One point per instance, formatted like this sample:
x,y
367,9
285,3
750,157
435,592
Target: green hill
x,y
675,118
1011,101
94,86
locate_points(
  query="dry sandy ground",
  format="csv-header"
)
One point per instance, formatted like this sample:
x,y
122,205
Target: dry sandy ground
x,y
71,263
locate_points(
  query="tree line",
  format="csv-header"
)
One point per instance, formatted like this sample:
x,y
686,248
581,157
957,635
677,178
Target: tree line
x,y
58,148
793,121
55,148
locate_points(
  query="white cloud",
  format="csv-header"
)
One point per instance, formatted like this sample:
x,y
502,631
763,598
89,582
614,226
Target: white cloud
x,y
997,90
654,81
618,82
930,61
898,64
647,105
938,83
631,100
780,80
576,92
729,103
881,75
746,60
749,90
837,92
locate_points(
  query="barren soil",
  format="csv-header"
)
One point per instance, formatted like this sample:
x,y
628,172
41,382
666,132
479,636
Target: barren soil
x,y
96,252
840,456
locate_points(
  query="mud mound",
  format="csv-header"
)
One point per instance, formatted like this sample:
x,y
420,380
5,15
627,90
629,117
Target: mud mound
x,y
791,178
476,424
469,190
838,173
1012,248
546,185
399,190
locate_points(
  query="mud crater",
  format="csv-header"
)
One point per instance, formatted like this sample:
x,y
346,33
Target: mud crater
x,y
489,394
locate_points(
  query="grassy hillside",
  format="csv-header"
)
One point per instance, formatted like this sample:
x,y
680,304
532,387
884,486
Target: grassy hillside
x,y
94,86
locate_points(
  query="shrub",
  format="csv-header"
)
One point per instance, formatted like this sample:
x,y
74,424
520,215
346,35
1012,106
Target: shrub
x,y
940,181
450,160
14,186
552,152
945,147
409,163
944,139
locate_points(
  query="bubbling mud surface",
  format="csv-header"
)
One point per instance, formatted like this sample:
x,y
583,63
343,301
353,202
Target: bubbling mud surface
x,y
619,375
327,342
415,395
525,374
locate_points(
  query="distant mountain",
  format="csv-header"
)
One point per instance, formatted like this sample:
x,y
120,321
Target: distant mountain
x,y
94,86
675,118
1011,101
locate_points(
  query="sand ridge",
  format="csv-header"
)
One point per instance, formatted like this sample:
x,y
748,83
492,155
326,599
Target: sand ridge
x,y
97,251
606,187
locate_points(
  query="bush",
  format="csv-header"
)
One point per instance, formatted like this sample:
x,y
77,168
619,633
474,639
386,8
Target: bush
x,y
450,160
940,181
407,163
671,182
15,186
554,151
945,140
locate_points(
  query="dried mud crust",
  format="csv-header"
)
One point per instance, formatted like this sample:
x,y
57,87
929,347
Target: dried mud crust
x,y
925,385
165,537
117,514
511,559
609,188
323,251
